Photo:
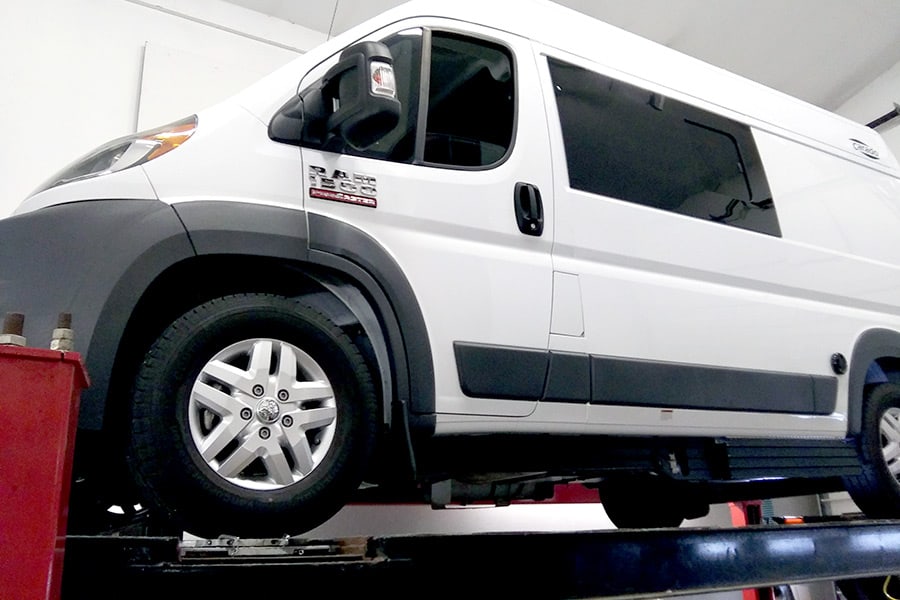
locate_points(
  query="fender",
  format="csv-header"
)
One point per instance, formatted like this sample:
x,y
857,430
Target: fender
x,y
871,345
261,230
96,259
100,270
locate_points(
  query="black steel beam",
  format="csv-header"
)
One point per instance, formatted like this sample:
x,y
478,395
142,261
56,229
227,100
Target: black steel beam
x,y
605,564
885,118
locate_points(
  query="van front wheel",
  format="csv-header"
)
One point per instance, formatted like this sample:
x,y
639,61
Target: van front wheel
x,y
876,490
252,415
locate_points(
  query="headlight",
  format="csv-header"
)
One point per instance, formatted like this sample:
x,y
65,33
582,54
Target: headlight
x,y
125,152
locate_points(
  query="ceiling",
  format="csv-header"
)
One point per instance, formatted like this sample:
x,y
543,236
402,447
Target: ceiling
x,y
823,51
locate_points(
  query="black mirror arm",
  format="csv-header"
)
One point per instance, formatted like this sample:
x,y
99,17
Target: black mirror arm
x,y
287,124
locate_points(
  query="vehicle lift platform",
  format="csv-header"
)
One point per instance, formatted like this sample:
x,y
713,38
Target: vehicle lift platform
x,y
41,389
590,564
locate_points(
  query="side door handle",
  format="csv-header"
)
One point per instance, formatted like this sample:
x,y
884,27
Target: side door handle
x,y
529,209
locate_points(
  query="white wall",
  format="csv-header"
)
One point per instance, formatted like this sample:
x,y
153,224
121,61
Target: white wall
x,y
71,72
874,100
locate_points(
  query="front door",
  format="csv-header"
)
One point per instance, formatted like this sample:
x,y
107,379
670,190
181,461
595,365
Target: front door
x,y
452,194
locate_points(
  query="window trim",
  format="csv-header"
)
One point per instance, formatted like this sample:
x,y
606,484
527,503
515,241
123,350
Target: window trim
x,y
737,147
424,86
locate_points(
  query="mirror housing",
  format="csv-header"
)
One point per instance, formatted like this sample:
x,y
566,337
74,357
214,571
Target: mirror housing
x,y
355,103
364,95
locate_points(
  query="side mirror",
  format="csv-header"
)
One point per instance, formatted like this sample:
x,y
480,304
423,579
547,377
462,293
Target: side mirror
x,y
355,103
363,92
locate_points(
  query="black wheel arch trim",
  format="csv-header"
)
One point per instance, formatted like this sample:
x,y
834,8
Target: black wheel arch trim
x,y
93,259
872,344
158,237
220,227
217,227
141,239
342,246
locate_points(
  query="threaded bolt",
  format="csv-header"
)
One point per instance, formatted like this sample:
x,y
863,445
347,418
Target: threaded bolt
x,y
64,321
63,338
13,325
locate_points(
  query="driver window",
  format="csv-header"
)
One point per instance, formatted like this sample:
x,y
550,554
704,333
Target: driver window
x,y
470,102
470,105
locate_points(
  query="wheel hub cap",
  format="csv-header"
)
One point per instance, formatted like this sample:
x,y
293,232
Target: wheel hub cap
x,y
262,414
890,440
267,410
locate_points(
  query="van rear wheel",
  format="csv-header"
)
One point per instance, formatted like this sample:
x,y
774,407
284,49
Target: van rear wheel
x,y
876,490
252,415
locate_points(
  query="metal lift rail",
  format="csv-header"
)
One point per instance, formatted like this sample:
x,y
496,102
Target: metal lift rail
x,y
594,564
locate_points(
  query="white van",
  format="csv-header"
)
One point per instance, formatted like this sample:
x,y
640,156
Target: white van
x,y
476,249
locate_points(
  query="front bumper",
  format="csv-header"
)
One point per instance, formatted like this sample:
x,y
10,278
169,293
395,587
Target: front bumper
x,y
93,259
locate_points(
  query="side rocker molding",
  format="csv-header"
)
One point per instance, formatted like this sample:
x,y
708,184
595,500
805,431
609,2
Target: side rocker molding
x,y
535,374
871,345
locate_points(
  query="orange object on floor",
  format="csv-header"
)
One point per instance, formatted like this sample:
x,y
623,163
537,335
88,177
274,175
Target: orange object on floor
x,y
39,393
742,515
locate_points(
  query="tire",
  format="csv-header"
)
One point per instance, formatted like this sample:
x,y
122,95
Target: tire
x,y
645,503
876,490
217,446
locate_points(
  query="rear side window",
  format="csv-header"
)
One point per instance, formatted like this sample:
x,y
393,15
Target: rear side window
x,y
632,144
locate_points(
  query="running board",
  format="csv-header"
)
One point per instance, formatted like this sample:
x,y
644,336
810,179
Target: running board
x,y
687,459
753,459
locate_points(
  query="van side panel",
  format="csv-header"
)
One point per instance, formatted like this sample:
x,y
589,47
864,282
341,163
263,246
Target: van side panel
x,y
664,287
829,202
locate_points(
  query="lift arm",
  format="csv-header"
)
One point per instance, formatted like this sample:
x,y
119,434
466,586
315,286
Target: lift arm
x,y
608,564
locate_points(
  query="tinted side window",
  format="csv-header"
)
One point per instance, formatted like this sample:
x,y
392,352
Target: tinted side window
x,y
631,144
470,102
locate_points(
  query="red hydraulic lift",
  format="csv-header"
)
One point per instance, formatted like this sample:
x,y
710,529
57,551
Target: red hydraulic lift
x,y
39,391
